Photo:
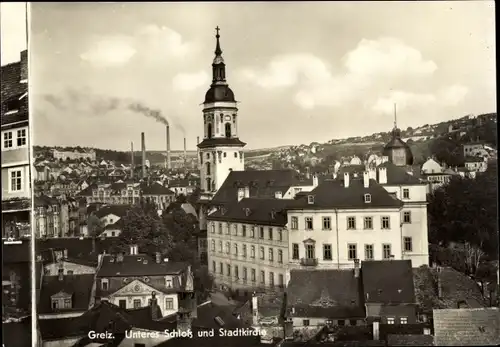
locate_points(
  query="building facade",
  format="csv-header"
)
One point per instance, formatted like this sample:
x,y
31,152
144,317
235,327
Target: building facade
x,y
221,151
74,155
16,181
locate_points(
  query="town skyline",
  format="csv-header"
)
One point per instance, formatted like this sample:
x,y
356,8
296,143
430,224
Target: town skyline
x,y
274,70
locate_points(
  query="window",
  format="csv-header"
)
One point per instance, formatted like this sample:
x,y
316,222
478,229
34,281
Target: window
x,y
295,223
228,269
214,267
225,154
12,105
67,303
220,228
403,320
70,272
7,139
55,304
169,304
327,252
228,130
280,235
407,217
309,223
139,345
351,223
253,275
386,223
408,244
235,154
21,137
368,252
235,230
295,251
368,223
386,251
137,303
244,230
261,232
341,322
221,268
16,181
236,274
228,228
305,322
271,254
236,249
227,247
252,252
271,279
262,253
244,251
327,223
280,280
104,284
310,199
352,251
270,233
390,320
122,304
368,198
353,322
220,246
252,232
168,282
406,193
213,245
262,277
280,256
310,251
244,274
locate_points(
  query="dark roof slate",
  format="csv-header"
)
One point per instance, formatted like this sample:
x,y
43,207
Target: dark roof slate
x,y
207,143
155,189
398,176
131,266
16,253
117,210
388,282
78,286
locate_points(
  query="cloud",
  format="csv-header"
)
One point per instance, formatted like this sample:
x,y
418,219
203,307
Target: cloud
x,y
110,51
190,81
452,95
365,70
149,43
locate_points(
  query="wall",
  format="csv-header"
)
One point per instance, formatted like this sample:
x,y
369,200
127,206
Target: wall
x,y
236,238
53,269
226,158
25,192
15,155
144,297
395,311
431,166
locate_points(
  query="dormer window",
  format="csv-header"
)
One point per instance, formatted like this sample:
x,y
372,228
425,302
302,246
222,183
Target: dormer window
x,y
12,106
61,301
310,199
278,195
168,282
368,198
104,284
247,211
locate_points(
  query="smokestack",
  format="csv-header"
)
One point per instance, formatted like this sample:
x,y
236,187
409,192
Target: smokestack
x,y
143,149
168,148
131,160
185,153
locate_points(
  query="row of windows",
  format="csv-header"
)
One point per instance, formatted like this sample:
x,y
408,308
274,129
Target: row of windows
x,y
236,251
13,139
352,250
352,322
262,234
169,303
244,274
385,222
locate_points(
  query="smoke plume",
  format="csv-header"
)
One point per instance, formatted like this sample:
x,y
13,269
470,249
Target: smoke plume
x,y
148,112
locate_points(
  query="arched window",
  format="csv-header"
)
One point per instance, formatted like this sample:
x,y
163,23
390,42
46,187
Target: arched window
x,y
209,131
228,129
208,168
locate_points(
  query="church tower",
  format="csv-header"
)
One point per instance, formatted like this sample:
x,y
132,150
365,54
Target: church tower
x,y
221,151
397,150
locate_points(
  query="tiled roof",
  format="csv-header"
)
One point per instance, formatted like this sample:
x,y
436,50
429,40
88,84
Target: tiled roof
x,y
467,327
75,247
78,286
409,340
16,204
397,175
333,194
155,189
117,210
11,87
17,334
262,183
207,143
260,211
335,294
131,266
359,169
388,282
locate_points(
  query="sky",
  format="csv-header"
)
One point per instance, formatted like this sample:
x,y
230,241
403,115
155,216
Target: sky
x,y
302,72
12,31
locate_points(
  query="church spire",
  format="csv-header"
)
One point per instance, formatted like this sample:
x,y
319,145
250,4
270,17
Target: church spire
x,y
218,66
395,118
396,132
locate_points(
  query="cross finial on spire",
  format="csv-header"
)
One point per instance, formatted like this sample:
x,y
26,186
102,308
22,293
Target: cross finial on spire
x,y
217,30
218,50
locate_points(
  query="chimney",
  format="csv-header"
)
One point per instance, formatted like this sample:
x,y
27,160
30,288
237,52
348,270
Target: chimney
x,y
356,268
169,163
308,175
133,249
119,257
241,193
154,306
131,160
376,331
24,67
346,179
315,180
143,149
185,153
366,179
246,191
158,258
278,195
382,175
255,310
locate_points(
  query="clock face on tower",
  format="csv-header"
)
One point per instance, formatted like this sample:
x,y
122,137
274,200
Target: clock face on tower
x,y
228,117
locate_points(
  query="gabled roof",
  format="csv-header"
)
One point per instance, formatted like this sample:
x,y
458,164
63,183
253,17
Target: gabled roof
x,y
78,286
75,247
155,189
132,266
467,327
333,194
12,88
397,175
335,294
262,184
388,282
260,211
